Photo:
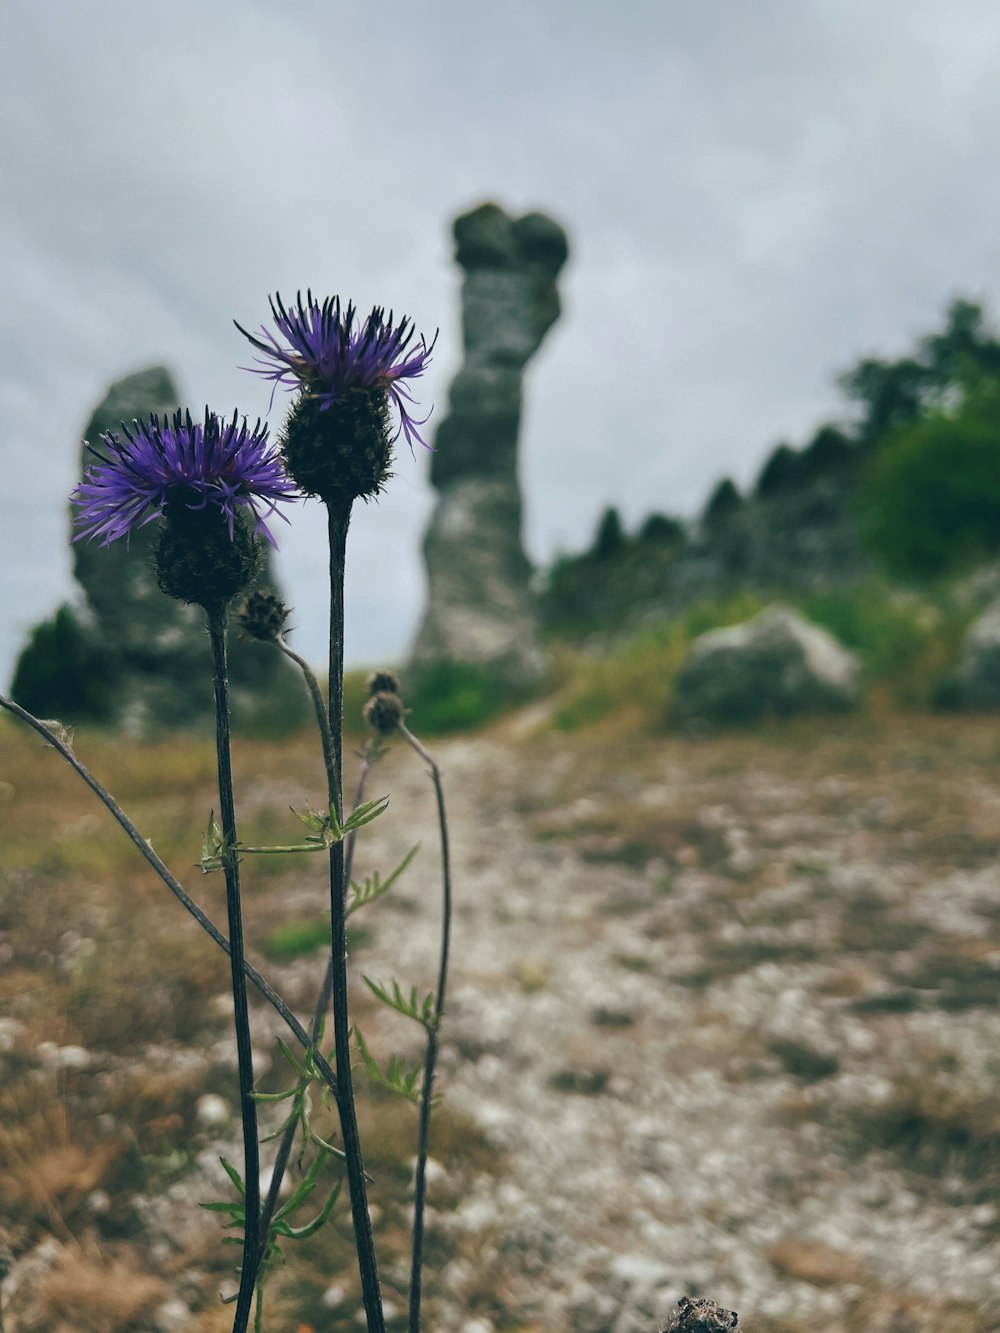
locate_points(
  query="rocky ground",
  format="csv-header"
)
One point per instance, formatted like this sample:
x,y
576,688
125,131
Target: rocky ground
x,y
722,1021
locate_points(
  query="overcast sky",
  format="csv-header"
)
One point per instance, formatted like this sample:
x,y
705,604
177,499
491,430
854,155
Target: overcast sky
x,y
757,192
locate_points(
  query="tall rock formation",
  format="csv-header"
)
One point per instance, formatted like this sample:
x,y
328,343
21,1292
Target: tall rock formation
x,y
145,656
480,609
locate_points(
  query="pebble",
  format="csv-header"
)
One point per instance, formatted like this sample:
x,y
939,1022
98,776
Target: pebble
x,y
212,1111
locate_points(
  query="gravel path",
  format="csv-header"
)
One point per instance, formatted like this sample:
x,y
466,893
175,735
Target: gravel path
x,y
686,1060
722,1022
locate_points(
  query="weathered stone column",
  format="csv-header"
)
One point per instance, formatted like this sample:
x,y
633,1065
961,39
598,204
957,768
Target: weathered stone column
x,y
480,608
150,651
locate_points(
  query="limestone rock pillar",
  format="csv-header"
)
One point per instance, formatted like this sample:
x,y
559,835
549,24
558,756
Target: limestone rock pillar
x,y
480,607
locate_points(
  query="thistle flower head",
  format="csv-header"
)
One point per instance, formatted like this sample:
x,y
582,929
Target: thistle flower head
x,y
187,463
328,352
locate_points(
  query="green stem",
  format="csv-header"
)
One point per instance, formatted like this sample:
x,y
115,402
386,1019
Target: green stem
x,y
319,707
323,1001
241,1011
339,518
430,1058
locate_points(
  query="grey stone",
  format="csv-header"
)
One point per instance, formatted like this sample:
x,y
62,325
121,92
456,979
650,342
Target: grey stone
x,y
977,681
172,1316
775,663
481,610
152,650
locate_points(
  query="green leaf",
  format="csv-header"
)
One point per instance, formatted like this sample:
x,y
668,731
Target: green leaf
x,y
213,846
375,887
292,1059
320,1142
237,1210
364,814
312,819
234,1176
268,1138
273,1096
395,1077
421,1011
305,1188
310,1228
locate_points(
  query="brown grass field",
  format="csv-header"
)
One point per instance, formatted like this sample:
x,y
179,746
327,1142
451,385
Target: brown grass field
x,y
643,913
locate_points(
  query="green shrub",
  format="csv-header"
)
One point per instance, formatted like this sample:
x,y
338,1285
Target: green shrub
x,y
61,673
885,629
782,471
610,536
722,504
453,696
294,939
661,530
930,497
905,642
634,680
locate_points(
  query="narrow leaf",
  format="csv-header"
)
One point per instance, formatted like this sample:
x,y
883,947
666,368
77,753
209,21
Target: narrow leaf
x,y
234,1176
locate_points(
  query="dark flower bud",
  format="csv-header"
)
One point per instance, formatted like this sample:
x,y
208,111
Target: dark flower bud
x,y
383,682
195,557
339,451
384,712
262,616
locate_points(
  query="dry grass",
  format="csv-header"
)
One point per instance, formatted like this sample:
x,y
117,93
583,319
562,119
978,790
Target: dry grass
x,y
97,954
88,1290
100,956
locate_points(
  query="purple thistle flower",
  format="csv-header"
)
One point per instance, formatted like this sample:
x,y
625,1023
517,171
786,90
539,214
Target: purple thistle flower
x,y
330,351
200,464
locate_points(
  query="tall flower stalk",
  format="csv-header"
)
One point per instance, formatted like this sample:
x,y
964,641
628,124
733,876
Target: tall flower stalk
x,y
231,869
204,480
263,617
347,1110
384,712
336,445
433,1031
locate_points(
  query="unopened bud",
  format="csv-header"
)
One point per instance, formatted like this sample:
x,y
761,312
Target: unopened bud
x,y
384,712
262,616
383,682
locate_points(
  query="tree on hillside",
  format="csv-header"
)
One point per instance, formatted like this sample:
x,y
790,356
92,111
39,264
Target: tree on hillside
x,y
829,450
890,394
893,394
965,349
661,530
60,672
610,536
930,497
724,501
780,472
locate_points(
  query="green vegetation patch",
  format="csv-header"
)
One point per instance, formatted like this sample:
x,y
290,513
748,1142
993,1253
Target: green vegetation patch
x,y
297,939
